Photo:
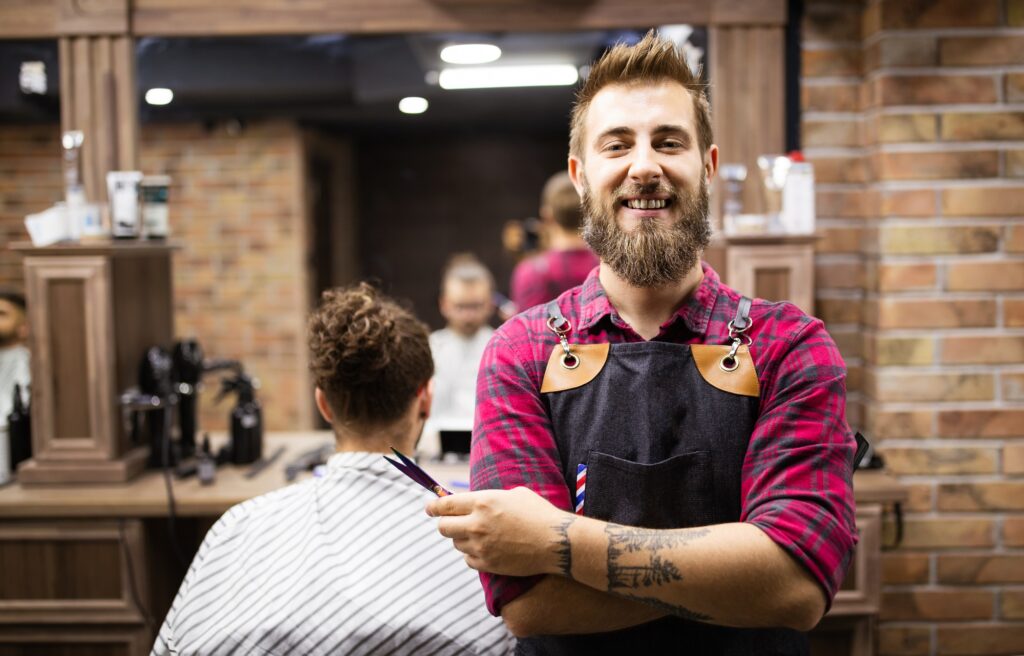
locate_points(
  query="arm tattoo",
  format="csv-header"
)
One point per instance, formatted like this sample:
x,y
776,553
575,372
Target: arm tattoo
x,y
563,547
625,579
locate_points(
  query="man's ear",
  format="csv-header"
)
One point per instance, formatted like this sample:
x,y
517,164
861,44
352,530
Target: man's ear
x,y
426,399
576,173
323,406
711,163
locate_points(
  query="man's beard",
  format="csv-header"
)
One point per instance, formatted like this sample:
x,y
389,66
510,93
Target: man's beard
x,y
652,254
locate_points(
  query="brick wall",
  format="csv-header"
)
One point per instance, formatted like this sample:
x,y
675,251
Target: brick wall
x,y
240,284
914,117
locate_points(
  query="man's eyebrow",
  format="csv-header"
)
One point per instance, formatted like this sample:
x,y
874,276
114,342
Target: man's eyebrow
x,y
621,131
683,133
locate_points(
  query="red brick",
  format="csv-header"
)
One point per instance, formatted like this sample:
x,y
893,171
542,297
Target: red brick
x,y
1012,605
831,62
841,239
837,310
981,51
983,350
899,386
935,460
1013,386
945,532
910,203
920,497
1003,495
904,128
1013,313
1015,239
902,51
912,313
1015,13
839,169
1014,87
889,424
924,14
1013,532
904,568
830,133
830,98
982,126
1015,163
937,605
981,423
1002,639
852,204
888,351
982,276
839,275
904,640
936,166
936,240
989,569
900,277
893,90
831,23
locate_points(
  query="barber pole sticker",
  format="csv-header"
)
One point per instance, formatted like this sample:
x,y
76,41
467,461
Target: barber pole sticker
x,y
581,487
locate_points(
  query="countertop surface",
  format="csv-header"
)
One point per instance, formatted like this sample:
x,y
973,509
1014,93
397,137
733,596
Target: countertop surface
x,y
146,495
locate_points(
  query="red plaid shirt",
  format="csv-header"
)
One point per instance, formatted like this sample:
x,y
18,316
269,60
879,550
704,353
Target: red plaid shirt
x,y
543,277
796,476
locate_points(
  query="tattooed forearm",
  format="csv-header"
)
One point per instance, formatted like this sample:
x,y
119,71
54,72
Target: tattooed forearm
x,y
562,546
626,575
671,609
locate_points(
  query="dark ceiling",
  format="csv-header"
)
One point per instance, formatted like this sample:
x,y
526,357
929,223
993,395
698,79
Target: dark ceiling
x,y
337,81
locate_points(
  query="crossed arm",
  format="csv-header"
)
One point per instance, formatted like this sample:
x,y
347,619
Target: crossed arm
x,y
603,576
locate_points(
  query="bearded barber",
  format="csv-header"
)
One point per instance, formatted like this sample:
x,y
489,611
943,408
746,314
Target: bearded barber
x,y
715,511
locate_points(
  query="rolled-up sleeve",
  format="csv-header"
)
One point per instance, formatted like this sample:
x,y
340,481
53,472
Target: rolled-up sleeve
x,y
513,444
797,474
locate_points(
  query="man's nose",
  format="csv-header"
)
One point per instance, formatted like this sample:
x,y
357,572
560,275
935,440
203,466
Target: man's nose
x,y
645,167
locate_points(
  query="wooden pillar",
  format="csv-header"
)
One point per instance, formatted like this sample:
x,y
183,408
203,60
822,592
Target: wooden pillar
x,y
97,84
748,98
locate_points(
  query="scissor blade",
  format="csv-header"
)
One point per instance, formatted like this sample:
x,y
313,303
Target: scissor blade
x,y
416,473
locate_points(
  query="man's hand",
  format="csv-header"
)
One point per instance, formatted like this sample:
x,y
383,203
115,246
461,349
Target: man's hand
x,y
513,532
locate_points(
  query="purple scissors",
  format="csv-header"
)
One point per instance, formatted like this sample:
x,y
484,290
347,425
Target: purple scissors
x,y
413,471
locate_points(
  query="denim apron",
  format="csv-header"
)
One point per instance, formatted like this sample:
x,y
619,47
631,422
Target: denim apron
x,y
662,430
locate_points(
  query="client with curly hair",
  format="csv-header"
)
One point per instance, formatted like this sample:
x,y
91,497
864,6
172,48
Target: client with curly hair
x,y
348,562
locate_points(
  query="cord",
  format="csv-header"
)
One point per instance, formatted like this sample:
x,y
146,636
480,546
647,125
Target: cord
x,y
172,532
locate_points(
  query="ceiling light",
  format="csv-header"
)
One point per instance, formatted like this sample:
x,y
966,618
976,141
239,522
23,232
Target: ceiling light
x,y
487,77
413,105
470,53
159,96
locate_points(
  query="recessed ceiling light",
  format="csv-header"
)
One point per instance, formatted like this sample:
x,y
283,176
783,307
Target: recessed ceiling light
x,y
413,105
159,96
470,53
488,77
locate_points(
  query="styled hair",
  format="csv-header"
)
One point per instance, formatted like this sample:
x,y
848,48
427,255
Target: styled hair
x,y
653,59
561,199
369,355
465,267
13,297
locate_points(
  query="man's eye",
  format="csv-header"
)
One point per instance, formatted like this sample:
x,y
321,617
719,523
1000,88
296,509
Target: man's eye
x,y
615,146
671,143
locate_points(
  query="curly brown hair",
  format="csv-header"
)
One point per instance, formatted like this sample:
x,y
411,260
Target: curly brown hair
x,y
652,59
369,355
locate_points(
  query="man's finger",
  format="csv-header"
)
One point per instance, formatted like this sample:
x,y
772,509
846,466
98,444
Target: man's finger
x,y
453,504
454,527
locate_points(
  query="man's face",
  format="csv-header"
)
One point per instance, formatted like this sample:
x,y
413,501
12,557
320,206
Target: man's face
x,y
12,324
643,181
467,305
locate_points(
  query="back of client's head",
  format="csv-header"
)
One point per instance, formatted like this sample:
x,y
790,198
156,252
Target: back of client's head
x,y
369,356
560,201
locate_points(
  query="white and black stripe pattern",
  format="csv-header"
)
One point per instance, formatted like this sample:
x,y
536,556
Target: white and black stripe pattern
x,y
344,564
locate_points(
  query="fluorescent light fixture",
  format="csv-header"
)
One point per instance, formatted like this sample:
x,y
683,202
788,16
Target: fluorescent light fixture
x,y
159,96
413,105
470,53
488,77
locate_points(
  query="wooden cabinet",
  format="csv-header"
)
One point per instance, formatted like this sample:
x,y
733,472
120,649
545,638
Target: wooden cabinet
x,y
772,267
94,310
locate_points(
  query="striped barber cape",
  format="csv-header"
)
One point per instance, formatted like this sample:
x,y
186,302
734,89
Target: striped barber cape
x,y
348,563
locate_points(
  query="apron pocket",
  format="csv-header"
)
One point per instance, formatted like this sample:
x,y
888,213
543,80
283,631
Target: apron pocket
x,y
674,493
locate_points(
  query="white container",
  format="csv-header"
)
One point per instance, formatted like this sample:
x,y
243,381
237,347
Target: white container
x,y
123,188
798,200
154,206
